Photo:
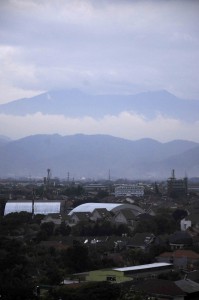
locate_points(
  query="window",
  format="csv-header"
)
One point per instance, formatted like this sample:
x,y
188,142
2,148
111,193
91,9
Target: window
x,y
111,278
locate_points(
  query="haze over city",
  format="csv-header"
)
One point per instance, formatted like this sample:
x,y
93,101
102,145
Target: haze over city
x,y
99,47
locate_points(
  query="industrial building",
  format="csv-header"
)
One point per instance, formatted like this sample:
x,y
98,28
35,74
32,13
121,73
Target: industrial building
x,y
35,207
112,207
119,275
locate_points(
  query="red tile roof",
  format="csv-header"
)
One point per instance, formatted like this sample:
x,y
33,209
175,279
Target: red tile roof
x,y
181,253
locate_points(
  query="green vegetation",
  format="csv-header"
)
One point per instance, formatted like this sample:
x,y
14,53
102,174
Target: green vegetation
x,y
34,254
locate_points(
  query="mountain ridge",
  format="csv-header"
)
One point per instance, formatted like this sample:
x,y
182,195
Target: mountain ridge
x,y
74,103
92,155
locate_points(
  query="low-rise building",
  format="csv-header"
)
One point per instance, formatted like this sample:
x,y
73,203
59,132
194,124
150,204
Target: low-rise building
x,y
182,259
180,240
159,289
77,217
118,275
191,220
124,216
101,214
142,241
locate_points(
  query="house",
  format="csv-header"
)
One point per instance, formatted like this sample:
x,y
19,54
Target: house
x,y
159,289
142,240
77,217
191,288
101,214
193,275
183,259
191,220
124,216
55,218
180,240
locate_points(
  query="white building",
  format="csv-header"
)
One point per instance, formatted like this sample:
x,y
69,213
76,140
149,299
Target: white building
x,y
40,207
129,190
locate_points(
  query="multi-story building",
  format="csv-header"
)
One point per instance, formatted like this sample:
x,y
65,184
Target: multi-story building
x,y
177,187
129,190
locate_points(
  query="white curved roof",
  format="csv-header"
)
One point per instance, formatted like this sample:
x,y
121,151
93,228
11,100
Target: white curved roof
x,y
90,207
39,207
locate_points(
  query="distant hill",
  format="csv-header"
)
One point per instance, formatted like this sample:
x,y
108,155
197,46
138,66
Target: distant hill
x,y
74,103
92,156
4,140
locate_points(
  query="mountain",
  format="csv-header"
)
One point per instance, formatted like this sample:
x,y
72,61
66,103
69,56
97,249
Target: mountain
x,y
91,156
74,103
4,140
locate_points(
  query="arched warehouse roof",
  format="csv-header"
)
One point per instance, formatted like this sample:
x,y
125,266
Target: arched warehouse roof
x,y
114,207
39,207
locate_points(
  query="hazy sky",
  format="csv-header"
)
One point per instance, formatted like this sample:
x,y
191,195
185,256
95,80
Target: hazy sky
x,y
99,46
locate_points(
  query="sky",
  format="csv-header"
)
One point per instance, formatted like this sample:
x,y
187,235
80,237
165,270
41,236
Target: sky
x,y
106,46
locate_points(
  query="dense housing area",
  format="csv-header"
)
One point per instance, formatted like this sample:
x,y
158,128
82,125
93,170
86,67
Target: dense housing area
x,y
72,240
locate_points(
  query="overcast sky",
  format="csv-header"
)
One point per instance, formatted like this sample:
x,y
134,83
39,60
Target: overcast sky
x,y
99,46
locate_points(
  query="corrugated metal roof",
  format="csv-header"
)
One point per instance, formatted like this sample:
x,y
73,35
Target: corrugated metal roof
x,y
39,207
141,267
188,285
90,207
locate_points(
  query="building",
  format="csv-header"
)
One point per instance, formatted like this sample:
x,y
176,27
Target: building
x,y
142,240
158,289
191,220
36,207
182,259
177,187
189,287
180,240
101,214
111,207
77,217
129,190
124,216
119,275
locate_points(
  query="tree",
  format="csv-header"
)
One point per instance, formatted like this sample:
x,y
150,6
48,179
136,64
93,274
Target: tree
x,y
63,229
48,227
92,290
76,258
179,214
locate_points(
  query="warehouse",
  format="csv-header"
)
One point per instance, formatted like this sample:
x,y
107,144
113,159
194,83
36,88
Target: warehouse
x,y
119,275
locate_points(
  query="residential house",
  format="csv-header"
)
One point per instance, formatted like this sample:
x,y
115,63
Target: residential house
x,y
55,218
77,217
125,216
101,214
180,240
158,289
142,240
193,275
191,220
183,259
191,288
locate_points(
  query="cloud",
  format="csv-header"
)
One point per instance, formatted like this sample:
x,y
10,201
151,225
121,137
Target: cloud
x,y
101,46
126,125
